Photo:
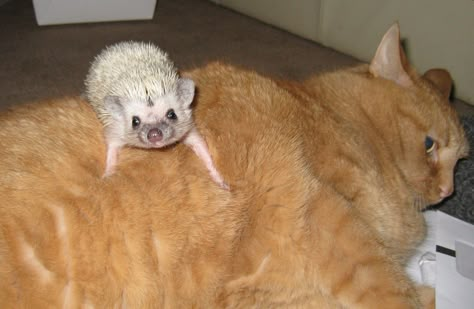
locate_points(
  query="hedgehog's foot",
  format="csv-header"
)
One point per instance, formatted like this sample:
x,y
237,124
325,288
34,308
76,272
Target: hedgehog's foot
x,y
199,146
111,161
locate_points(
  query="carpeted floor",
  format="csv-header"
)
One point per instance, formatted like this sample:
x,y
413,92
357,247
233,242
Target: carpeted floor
x,y
50,61
38,62
461,203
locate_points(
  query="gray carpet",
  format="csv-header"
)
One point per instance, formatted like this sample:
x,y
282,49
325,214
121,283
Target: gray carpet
x,y
461,203
51,61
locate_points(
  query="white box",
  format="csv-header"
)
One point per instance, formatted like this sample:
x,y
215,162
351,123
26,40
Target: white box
x,y
52,12
454,263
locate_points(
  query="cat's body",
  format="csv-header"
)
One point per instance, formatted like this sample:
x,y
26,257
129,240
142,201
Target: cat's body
x,y
322,211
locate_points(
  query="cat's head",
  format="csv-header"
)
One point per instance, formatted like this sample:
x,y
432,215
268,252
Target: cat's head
x,y
430,137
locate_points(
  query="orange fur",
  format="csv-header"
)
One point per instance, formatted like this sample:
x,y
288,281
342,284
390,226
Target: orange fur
x,y
328,177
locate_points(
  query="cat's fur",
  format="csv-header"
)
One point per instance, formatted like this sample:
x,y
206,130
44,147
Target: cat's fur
x,y
327,176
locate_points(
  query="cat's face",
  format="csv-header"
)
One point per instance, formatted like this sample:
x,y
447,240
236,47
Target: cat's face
x,y
428,138
434,141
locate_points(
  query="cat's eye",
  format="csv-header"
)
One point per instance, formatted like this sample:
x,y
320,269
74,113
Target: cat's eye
x,y
429,144
135,122
170,114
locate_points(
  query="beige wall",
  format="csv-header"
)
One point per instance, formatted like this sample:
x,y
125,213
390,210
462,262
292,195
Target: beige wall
x,y
300,17
436,33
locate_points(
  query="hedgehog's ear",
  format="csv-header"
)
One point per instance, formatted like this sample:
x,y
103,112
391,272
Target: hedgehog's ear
x,y
185,91
113,105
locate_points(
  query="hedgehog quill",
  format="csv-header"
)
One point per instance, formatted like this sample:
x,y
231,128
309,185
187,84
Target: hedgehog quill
x,y
140,99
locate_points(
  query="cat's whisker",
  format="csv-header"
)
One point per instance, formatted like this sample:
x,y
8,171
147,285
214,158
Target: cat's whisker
x,y
419,202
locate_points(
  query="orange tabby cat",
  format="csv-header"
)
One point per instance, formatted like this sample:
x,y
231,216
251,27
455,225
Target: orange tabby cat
x,y
327,176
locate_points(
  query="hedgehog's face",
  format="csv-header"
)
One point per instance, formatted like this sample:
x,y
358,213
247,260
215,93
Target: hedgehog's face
x,y
159,121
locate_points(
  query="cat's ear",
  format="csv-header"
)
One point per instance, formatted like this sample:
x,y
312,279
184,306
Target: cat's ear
x,y
441,79
390,61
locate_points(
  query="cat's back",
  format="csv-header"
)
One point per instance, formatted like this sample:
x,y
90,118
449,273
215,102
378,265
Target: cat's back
x,y
157,233
72,238
44,132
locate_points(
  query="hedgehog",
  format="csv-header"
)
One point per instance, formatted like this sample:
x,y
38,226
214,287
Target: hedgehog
x,y
138,95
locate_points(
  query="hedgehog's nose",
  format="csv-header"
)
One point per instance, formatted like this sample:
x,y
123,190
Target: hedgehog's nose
x,y
154,135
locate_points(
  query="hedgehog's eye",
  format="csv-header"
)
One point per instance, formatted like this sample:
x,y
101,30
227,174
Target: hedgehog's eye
x,y
135,122
170,114
429,145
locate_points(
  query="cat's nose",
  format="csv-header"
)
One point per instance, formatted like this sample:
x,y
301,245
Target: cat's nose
x,y
445,191
154,135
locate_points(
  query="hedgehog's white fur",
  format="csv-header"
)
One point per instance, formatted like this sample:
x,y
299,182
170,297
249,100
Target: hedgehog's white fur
x,y
134,70
141,72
